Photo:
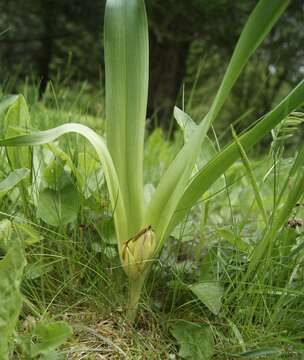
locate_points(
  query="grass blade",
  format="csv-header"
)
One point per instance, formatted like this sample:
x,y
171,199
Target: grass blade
x,y
251,177
280,219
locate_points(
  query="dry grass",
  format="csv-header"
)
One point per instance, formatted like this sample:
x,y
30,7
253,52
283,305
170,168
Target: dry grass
x,y
113,338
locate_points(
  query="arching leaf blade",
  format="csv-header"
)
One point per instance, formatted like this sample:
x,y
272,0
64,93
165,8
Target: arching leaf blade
x,y
44,137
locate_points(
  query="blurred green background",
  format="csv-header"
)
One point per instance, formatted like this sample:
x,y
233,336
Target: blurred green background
x,y
190,46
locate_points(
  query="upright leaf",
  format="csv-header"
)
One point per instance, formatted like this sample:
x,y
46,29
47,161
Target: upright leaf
x,y
17,122
126,61
173,183
217,166
5,103
188,127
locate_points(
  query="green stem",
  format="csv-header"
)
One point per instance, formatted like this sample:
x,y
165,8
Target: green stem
x,y
135,288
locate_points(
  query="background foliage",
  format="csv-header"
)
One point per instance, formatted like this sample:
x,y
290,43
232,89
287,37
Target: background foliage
x,y
190,41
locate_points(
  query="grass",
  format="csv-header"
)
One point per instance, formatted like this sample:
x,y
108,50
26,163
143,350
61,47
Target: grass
x,y
74,273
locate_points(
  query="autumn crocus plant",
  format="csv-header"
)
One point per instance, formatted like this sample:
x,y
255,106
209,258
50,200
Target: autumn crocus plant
x,y
142,229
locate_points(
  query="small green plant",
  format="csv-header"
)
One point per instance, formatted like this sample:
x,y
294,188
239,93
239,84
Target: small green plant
x,y
142,229
44,337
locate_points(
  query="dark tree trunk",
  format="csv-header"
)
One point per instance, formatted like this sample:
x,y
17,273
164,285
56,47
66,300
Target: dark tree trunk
x,y
47,44
167,71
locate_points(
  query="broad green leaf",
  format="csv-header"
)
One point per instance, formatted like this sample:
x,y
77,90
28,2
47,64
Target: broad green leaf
x,y
37,269
127,69
55,175
210,294
11,271
28,234
188,126
58,208
106,230
5,104
208,150
234,240
171,188
65,159
88,173
195,341
87,163
49,337
91,175
94,183
185,232
225,158
45,137
17,122
12,180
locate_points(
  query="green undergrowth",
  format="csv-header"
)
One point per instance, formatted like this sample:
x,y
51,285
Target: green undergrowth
x,y
197,302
